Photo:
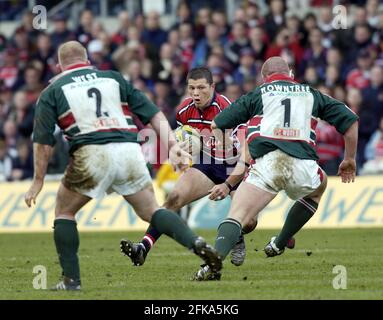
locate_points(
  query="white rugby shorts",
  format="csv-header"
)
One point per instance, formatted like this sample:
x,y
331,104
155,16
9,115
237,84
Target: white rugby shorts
x,y
277,171
96,170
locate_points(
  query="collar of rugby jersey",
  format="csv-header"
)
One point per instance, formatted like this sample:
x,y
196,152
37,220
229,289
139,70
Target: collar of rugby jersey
x,y
279,77
71,68
213,98
77,65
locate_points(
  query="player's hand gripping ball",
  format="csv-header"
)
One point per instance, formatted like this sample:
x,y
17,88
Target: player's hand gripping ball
x,y
189,139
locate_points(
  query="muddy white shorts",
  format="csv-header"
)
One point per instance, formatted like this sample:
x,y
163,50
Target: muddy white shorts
x,y
96,170
277,171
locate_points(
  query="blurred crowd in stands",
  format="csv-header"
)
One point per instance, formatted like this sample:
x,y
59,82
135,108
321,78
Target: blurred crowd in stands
x,y
344,63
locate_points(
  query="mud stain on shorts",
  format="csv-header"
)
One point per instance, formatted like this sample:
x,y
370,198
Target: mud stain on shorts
x,y
283,171
81,174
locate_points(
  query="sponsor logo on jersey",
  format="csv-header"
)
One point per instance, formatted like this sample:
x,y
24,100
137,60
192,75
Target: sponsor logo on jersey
x,y
106,122
286,132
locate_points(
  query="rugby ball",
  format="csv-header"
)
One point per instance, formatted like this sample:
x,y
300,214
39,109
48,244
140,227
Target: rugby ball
x,y
191,136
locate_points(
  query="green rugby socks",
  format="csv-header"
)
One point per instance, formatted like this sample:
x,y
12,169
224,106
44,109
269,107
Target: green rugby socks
x,y
299,214
229,232
67,243
171,224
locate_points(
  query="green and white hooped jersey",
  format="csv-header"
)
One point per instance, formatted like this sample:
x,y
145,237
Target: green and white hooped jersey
x,y
282,114
91,107
287,114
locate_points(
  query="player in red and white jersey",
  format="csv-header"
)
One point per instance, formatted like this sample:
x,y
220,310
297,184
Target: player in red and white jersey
x,y
211,175
193,113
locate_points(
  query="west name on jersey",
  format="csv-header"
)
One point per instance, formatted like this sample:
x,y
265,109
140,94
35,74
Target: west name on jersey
x,y
85,77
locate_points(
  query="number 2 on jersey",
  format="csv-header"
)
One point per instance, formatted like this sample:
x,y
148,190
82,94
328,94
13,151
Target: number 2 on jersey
x,y
97,94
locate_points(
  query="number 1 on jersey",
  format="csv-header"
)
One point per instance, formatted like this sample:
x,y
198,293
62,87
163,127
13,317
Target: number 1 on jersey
x,y
287,104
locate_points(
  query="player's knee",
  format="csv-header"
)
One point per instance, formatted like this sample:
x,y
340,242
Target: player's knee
x,y
146,212
173,201
250,225
318,193
147,216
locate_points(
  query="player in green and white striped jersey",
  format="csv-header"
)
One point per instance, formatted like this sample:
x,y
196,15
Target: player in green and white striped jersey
x,y
282,115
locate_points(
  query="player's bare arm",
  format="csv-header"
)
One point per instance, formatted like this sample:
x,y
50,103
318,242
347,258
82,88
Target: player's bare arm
x,y
242,166
347,168
221,191
41,156
177,156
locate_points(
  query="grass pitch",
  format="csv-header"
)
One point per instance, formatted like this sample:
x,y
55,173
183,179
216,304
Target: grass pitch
x,y
305,272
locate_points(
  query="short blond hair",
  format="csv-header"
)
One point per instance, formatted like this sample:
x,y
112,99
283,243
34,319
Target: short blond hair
x,y
71,52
